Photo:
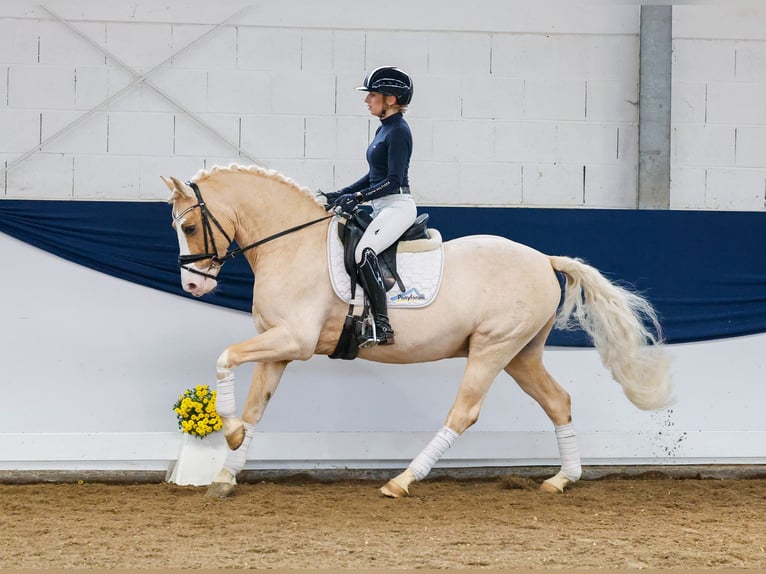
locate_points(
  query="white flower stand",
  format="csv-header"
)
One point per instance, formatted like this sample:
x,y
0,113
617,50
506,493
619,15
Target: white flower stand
x,y
199,460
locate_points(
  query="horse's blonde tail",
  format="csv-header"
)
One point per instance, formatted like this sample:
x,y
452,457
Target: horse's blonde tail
x,y
613,318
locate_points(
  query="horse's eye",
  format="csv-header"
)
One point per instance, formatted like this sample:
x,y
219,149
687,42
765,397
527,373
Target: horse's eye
x,y
190,229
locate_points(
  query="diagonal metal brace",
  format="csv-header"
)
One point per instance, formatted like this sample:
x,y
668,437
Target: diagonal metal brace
x,y
138,78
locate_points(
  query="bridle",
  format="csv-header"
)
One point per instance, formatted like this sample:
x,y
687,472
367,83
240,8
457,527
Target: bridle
x,y
211,252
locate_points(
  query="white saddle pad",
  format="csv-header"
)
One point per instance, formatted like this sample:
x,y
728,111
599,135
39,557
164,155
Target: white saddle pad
x,y
420,271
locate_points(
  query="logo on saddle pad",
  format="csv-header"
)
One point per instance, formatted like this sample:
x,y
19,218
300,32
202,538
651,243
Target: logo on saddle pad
x,y
409,295
419,264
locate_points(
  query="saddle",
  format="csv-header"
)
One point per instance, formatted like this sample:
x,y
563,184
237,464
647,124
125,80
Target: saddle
x,y
350,230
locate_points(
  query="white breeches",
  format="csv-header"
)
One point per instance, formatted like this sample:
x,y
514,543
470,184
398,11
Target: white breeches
x,y
393,214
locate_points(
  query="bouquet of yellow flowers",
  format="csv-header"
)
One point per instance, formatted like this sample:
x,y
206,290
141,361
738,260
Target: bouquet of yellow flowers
x,y
196,413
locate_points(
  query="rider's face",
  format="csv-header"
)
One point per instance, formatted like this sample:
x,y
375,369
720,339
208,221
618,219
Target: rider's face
x,y
376,103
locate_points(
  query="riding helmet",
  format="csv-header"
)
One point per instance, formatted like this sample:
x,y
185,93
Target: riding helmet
x,y
390,81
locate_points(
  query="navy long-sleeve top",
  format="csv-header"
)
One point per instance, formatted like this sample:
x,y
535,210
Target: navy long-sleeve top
x,y
388,156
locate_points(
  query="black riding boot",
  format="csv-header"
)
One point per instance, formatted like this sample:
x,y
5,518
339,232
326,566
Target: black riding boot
x,y
369,274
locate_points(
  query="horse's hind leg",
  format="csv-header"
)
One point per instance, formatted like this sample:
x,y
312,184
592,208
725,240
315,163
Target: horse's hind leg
x,y
480,372
528,371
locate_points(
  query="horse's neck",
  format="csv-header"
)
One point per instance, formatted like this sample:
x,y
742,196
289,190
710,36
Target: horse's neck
x,y
274,209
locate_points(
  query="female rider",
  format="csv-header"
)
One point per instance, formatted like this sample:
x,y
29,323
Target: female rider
x,y
385,187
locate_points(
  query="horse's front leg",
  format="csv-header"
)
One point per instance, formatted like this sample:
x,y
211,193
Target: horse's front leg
x,y
274,345
478,376
271,351
266,377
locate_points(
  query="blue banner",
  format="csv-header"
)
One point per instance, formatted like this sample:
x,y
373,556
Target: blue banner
x,y
703,271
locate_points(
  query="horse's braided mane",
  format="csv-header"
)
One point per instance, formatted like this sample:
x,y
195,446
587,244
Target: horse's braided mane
x,y
203,174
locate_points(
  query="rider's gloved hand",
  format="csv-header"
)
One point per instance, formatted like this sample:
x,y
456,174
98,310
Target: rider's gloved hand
x,y
348,202
332,197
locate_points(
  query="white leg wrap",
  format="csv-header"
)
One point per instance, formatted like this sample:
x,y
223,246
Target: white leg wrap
x,y
434,450
224,400
570,455
235,459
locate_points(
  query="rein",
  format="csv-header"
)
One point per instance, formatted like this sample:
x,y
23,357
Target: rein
x,y
207,230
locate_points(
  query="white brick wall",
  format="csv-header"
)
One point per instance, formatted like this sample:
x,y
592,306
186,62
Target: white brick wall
x,y
141,46
750,61
492,97
20,130
187,87
4,87
18,41
611,101
269,49
90,136
452,53
38,87
703,145
688,102
274,136
48,175
553,184
232,91
490,184
60,47
462,140
91,87
719,107
515,104
611,185
107,176
192,139
218,51
140,133
750,146
524,142
735,189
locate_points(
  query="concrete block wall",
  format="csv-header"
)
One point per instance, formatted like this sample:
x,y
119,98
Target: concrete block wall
x,y
718,153
515,104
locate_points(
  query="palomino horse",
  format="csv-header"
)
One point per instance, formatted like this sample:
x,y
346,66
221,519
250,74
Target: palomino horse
x,y
497,304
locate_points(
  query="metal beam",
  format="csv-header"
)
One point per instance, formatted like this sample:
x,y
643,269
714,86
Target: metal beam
x,y
654,107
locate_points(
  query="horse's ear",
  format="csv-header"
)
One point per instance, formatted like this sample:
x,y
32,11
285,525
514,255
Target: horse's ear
x,y
177,187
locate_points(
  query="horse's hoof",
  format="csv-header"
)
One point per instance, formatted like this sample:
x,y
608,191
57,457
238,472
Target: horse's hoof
x,y
548,487
393,490
235,438
556,484
220,490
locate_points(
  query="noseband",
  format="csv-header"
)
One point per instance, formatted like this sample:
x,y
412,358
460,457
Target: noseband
x,y
211,252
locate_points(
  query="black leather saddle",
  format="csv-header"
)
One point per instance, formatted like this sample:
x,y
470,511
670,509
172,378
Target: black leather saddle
x,y
351,232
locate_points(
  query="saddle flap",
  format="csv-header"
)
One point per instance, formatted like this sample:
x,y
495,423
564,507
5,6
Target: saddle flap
x,y
350,234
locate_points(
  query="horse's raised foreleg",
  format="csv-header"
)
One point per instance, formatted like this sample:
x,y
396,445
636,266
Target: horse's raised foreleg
x,y
227,409
477,378
266,377
528,371
274,345
271,351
